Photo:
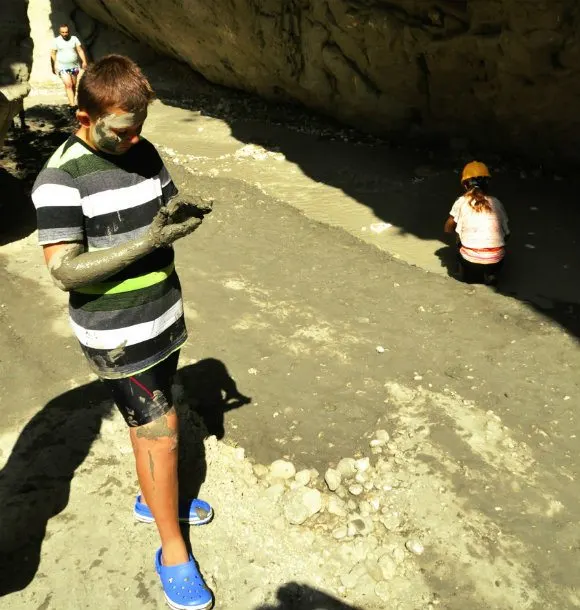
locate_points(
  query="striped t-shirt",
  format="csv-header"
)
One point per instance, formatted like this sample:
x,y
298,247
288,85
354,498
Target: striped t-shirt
x,y
134,319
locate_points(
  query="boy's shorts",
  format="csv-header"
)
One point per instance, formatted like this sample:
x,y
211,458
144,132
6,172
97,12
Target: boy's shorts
x,y
145,397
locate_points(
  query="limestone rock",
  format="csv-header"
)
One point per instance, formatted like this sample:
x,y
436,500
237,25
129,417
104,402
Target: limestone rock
x,y
333,479
300,504
303,477
387,67
346,467
15,61
281,469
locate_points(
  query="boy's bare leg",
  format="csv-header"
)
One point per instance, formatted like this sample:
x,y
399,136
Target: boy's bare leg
x,y
155,449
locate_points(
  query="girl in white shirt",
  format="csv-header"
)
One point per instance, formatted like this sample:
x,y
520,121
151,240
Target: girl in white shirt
x,y
481,225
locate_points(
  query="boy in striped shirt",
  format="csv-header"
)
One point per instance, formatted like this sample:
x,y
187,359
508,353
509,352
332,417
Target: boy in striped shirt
x,y
106,224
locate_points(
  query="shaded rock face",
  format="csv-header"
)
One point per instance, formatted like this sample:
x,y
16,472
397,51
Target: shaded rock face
x,y
15,60
499,71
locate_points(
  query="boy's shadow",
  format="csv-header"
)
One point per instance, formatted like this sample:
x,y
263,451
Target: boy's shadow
x,y
35,480
294,596
203,393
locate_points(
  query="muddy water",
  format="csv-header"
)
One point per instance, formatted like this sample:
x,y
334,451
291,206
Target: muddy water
x,y
394,197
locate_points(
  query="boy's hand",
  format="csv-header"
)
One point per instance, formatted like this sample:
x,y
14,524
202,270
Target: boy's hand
x,y
176,220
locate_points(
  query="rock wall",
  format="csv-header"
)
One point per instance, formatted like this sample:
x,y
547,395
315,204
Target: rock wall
x,y
505,72
15,60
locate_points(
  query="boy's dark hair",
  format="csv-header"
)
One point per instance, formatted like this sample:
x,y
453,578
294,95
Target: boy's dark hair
x,y
114,81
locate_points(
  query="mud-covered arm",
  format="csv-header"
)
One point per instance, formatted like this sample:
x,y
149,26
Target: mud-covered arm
x,y
71,267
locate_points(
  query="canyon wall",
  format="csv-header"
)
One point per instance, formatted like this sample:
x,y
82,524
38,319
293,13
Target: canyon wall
x,y
500,72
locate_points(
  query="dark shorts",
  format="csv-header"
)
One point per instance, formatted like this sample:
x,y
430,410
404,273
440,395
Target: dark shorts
x,y
146,396
476,273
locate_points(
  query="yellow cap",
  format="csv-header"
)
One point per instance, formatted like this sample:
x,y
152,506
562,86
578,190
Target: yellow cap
x,y
475,169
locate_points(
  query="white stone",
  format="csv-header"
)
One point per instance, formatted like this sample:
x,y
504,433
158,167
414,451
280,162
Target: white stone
x,y
398,555
336,506
239,454
387,566
301,504
281,469
415,547
303,477
361,477
383,590
333,479
382,435
274,491
346,467
390,521
340,532
260,470
363,464
362,525
356,489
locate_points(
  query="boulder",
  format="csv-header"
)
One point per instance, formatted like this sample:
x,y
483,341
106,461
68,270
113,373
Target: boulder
x,y
15,61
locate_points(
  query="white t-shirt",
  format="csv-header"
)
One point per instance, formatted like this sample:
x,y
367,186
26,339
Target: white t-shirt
x,y
480,229
66,52
482,233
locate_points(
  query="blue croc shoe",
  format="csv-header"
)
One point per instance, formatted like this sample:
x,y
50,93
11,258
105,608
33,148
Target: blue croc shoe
x,y
183,585
194,512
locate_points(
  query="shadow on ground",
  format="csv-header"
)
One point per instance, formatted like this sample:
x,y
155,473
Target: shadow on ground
x,y
209,392
25,151
294,596
35,480
412,185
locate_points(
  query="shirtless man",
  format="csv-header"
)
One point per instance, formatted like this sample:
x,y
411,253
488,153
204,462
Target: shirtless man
x,y
67,59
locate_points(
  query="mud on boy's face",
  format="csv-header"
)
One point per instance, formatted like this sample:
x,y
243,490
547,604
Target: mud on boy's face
x,y
116,131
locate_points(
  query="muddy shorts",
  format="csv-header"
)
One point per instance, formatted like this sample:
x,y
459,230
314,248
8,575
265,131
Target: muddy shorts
x,y
146,396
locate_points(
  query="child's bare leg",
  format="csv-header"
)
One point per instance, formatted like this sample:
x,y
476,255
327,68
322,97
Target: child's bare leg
x,y
155,448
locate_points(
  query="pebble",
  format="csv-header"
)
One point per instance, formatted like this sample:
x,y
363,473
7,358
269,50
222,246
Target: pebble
x,y
360,525
333,479
361,478
356,489
363,464
239,454
383,436
346,467
398,555
383,590
387,566
303,477
281,469
336,506
415,547
380,349
301,504
339,533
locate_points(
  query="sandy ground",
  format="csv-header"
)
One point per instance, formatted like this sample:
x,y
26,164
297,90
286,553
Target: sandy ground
x,y
289,291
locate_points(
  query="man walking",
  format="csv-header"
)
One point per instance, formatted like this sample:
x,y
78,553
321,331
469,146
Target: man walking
x,y
67,58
